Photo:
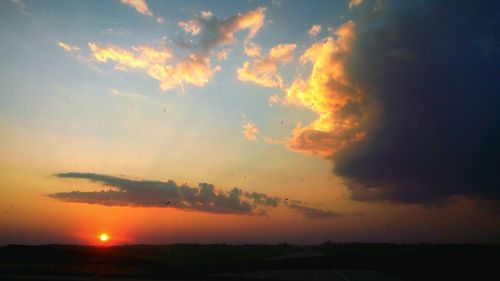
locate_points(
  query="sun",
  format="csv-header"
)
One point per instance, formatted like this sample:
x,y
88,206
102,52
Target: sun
x,y
103,237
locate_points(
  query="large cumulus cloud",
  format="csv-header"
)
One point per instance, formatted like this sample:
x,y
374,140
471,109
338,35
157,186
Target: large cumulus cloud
x,y
433,68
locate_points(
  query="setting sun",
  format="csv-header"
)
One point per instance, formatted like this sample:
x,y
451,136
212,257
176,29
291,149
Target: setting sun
x,y
103,237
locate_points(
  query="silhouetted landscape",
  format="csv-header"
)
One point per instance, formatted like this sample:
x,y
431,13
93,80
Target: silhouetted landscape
x,y
328,261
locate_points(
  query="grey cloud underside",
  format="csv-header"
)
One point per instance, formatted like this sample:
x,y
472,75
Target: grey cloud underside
x,y
204,198
312,213
214,33
433,66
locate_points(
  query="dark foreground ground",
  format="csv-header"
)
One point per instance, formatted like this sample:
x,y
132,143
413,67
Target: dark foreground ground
x,y
328,261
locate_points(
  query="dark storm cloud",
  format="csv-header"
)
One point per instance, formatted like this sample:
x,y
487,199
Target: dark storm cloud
x,y
204,198
433,66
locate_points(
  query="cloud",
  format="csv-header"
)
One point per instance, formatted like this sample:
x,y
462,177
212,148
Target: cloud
x,y
222,32
281,53
68,47
436,78
125,192
273,141
314,30
193,70
341,107
263,70
21,6
215,32
192,26
252,50
19,3
142,7
263,199
223,54
203,198
354,3
250,131
139,5
407,102
139,57
118,93
116,31
312,213
276,99
206,14
259,73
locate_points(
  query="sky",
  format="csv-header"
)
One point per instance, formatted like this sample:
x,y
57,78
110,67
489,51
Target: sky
x,y
249,121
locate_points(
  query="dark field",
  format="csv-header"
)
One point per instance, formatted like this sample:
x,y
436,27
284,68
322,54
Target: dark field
x,y
328,261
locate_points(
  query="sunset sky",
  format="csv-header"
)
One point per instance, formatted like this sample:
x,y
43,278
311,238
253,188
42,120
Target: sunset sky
x,y
249,121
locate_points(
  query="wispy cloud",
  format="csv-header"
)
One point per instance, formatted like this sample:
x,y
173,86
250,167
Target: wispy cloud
x,y
206,14
203,198
314,30
223,54
68,47
263,70
141,7
192,27
193,70
139,57
274,141
250,131
21,6
116,31
276,99
216,32
223,32
312,213
118,93
252,50
354,3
